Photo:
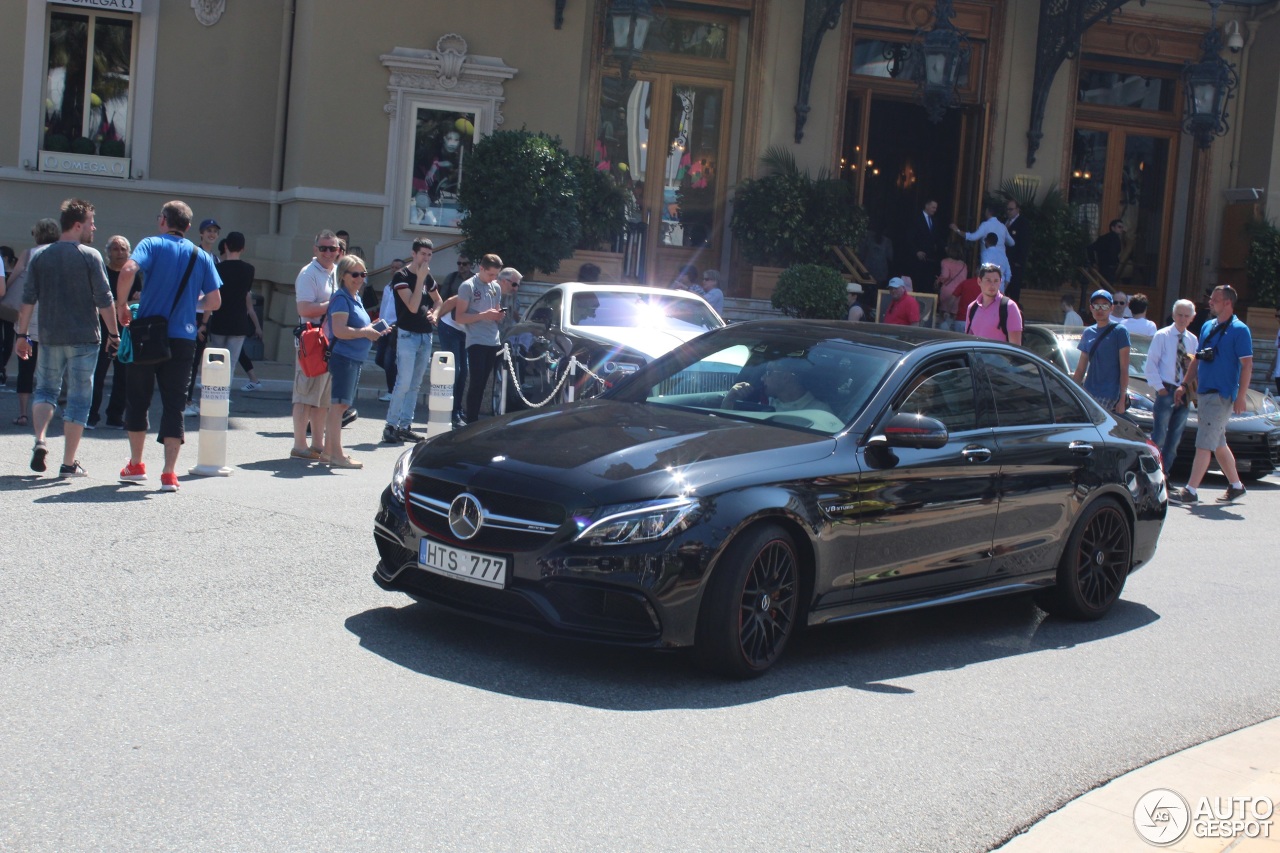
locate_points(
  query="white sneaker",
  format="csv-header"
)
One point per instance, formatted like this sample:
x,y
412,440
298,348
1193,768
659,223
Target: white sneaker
x,y
251,386
191,410
386,398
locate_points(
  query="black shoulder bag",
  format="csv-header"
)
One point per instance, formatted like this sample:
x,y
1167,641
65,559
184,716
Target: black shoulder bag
x,y
150,335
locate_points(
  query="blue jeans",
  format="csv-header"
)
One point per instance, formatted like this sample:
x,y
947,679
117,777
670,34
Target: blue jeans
x,y
77,361
456,342
413,357
1169,423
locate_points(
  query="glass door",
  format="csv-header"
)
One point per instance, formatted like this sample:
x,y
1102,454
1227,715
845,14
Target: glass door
x,y
1124,174
664,139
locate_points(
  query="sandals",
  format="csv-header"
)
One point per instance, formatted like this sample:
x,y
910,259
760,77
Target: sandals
x,y
21,420
311,454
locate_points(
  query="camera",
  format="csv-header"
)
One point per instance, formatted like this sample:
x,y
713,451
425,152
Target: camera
x,y
1207,355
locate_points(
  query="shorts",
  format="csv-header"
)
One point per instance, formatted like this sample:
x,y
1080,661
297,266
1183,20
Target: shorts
x,y
311,390
345,373
1213,412
75,362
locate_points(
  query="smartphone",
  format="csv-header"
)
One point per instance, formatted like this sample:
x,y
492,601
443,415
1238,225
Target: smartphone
x,y
381,325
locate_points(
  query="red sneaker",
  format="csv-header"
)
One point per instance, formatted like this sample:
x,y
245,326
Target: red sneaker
x,y
168,482
131,473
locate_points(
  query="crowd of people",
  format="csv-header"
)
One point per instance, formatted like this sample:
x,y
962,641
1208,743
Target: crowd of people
x,y
203,296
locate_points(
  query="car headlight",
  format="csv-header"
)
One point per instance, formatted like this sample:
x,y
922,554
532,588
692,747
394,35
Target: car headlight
x,y
628,524
1269,406
400,474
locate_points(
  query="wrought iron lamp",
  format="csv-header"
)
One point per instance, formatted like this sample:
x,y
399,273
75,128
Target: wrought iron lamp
x,y
1210,84
630,20
940,55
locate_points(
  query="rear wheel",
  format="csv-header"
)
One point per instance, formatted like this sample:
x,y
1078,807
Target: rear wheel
x,y
1094,565
751,604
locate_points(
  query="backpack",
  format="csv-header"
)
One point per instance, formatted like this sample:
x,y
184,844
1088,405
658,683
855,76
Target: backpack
x,y
313,349
1003,325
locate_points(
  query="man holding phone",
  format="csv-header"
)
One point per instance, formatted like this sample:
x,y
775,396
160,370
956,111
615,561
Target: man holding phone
x,y
414,320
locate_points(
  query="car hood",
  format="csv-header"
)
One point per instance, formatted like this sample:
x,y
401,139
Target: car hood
x,y
610,452
650,343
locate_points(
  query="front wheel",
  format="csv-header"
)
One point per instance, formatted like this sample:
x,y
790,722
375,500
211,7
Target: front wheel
x,y
751,604
1095,564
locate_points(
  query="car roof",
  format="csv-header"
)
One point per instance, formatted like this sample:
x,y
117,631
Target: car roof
x,y
883,335
572,287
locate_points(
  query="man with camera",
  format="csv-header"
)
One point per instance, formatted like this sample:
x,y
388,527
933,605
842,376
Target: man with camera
x,y
1225,358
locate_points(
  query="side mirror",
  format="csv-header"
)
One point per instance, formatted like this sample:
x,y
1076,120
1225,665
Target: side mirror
x,y
908,430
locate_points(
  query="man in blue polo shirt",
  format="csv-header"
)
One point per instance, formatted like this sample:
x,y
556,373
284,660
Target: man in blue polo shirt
x,y
1225,356
163,259
1103,369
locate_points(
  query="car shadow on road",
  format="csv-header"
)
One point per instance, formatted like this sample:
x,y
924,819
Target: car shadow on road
x,y
865,655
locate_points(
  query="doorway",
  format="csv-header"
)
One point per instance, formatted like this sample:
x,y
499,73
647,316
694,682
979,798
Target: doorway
x,y
896,160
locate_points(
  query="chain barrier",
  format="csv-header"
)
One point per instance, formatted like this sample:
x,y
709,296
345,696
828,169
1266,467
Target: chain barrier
x,y
511,371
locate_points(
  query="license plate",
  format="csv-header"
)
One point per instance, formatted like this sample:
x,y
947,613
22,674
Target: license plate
x,y
470,566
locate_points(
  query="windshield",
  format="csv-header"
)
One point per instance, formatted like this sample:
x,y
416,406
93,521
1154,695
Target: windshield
x,y
791,381
642,310
1139,345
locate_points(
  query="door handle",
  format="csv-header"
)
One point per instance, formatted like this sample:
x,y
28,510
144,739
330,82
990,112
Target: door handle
x,y
976,453
1081,448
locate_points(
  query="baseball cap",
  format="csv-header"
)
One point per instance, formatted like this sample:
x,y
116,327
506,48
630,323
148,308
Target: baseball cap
x,y
896,282
1101,294
853,287
210,223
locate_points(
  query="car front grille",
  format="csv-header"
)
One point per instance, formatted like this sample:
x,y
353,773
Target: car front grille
x,y
511,523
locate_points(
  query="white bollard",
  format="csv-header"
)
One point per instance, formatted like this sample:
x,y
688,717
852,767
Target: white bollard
x,y
440,402
215,403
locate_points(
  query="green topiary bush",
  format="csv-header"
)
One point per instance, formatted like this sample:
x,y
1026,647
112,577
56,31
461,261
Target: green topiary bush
x,y
601,207
812,292
1263,263
520,200
788,217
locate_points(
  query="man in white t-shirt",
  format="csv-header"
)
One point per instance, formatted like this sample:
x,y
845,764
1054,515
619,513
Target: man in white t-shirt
x,y
312,289
1138,324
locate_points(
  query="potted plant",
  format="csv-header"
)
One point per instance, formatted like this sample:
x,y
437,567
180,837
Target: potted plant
x,y
811,292
520,200
1263,268
601,221
787,217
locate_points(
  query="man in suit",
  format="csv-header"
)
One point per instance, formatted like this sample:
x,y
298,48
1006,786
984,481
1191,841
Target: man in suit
x,y
1020,230
925,239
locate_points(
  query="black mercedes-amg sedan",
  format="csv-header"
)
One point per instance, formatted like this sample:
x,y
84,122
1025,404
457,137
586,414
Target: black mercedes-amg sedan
x,y
776,474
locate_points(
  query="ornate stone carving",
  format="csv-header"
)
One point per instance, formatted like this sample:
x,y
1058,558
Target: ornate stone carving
x,y
209,11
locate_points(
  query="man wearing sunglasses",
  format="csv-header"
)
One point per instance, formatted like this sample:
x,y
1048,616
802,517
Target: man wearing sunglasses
x,y
312,290
1103,370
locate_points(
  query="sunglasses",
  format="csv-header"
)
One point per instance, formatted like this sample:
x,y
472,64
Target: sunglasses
x,y
327,248
464,263
1122,302
358,274
1101,306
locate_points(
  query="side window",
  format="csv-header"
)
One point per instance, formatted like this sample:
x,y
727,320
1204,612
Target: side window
x,y
546,309
1066,406
1017,385
943,390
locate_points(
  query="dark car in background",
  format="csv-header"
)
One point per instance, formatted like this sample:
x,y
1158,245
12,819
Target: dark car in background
x,y
610,329
774,474
1254,437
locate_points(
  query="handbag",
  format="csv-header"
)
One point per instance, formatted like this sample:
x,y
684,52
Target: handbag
x,y
149,336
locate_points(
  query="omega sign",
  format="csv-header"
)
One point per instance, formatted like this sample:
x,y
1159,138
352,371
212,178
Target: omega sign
x,y
117,5
84,164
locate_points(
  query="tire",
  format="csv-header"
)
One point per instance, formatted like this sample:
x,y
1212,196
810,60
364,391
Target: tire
x,y
751,606
1094,565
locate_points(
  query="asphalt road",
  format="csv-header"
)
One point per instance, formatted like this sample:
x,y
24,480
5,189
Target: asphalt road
x,y
215,670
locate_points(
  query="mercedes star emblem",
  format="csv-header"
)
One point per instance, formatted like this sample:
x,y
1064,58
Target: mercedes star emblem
x,y
465,516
